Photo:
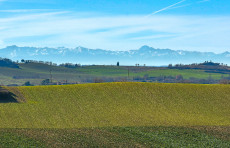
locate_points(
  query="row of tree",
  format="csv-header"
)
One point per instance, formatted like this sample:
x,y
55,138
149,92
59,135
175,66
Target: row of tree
x,y
68,65
4,62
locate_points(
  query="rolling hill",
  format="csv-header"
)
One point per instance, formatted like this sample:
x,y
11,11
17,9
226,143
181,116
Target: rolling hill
x,y
116,115
117,104
37,72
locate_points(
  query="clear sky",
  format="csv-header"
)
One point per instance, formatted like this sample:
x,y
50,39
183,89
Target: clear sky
x,y
199,25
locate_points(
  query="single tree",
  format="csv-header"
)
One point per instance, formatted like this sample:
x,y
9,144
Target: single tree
x,y
27,83
45,82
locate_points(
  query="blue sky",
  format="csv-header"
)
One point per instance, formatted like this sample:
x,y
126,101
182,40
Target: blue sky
x,y
198,25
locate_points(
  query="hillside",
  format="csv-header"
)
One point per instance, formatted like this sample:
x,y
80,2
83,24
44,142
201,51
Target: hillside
x,y
118,104
37,72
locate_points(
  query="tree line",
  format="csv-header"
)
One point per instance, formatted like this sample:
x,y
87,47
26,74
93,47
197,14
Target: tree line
x,y
4,62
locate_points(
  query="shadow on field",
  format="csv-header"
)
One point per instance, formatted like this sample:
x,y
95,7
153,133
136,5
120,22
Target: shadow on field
x,y
7,97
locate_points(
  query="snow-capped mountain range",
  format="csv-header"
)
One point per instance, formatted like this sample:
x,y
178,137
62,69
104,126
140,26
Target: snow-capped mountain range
x,y
144,55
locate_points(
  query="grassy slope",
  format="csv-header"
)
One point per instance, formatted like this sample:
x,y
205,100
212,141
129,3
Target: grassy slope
x,y
114,71
110,137
118,104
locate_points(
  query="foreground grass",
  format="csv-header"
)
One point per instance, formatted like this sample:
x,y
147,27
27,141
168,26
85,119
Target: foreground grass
x,y
111,137
117,115
118,104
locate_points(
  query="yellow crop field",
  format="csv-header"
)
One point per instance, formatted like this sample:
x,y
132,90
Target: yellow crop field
x,y
118,104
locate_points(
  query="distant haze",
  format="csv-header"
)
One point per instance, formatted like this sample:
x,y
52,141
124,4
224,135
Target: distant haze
x,y
85,56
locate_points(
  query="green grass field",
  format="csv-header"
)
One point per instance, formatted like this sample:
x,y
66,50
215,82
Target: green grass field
x,y
118,104
186,73
118,114
113,137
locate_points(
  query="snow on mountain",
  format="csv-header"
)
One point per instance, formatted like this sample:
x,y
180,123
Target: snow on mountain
x,y
144,55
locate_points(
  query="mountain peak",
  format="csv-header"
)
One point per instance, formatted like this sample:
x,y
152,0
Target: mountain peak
x,y
143,55
12,46
145,47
